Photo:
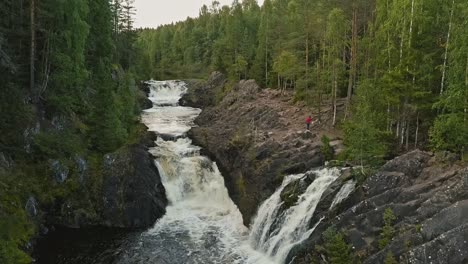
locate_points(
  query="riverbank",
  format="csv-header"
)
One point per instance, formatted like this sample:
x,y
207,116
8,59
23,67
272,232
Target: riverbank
x,y
84,189
257,137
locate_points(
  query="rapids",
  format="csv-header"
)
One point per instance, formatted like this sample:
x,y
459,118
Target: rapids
x,y
202,225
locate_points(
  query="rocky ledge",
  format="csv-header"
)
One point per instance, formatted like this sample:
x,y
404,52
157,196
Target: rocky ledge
x,y
255,136
428,199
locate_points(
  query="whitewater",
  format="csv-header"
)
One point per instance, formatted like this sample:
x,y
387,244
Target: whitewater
x,y
202,224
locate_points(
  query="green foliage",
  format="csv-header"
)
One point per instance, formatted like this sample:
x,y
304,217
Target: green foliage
x,y
15,227
390,259
450,132
81,73
388,231
326,149
336,248
450,129
59,144
364,137
360,175
67,53
15,117
286,65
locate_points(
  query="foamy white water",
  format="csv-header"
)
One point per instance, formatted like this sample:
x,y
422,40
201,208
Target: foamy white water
x,y
202,224
276,232
344,192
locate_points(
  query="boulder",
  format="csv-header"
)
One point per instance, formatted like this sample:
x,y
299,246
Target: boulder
x,y
133,195
31,207
60,171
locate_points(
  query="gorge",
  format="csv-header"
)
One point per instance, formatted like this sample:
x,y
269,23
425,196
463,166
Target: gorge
x,y
203,225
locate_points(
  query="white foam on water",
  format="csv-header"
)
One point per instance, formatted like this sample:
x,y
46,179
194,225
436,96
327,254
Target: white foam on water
x,y
202,224
276,232
344,192
200,210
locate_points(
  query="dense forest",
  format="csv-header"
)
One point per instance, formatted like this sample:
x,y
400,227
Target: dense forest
x,y
69,70
401,66
67,93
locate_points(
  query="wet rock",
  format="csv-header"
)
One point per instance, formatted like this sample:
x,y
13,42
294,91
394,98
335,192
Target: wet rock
x,y
429,200
6,162
290,194
60,171
59,122
32,207
294,168
82,169
29,134
133,195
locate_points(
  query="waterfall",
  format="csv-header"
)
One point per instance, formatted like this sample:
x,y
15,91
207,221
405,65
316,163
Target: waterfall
x,y
344,192
202,224
276,232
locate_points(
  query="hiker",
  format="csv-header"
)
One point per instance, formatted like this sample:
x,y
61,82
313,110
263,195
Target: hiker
x,y
308,121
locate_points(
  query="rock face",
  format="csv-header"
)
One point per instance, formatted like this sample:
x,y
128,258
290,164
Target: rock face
x,y
127,192
255,138
133,195
203,94
252,139
429,200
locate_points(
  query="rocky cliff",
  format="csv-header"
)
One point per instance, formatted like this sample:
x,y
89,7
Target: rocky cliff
x,y
428,198
119,189
257,136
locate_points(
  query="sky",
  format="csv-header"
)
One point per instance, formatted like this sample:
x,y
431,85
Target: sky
x,y
152,13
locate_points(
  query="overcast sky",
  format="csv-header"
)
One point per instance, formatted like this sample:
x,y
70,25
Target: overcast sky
x,y
152,13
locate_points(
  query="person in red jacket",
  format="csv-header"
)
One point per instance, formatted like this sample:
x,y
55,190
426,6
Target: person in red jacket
x,y
308,121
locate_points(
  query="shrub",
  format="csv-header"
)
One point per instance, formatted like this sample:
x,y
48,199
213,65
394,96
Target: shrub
x,y
336,248
390,259
388,231
326,149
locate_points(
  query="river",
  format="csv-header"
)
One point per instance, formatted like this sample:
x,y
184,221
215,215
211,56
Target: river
x,y
202,225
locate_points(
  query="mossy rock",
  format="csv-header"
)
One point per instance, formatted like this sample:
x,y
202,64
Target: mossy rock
x,y
290,194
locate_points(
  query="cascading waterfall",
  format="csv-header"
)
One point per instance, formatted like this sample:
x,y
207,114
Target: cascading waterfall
x,y
344,192
202,224
276,233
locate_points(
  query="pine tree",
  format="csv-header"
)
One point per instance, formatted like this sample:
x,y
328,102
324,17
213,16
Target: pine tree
x,y
336,248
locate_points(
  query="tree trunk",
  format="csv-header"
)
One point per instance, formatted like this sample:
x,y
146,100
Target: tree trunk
x,y
411,24
402,40
353,60
279,82
334,91
407,135
417,132
33,46
307,67
389,124
266,50
319,89
444,68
